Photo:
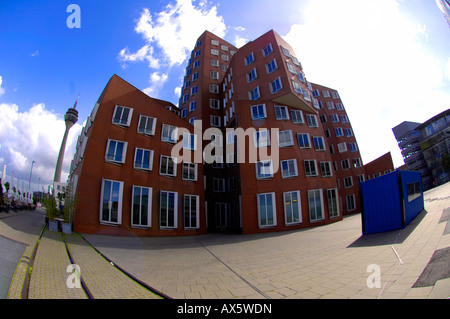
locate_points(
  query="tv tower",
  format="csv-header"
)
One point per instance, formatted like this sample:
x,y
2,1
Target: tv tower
x,y
70,118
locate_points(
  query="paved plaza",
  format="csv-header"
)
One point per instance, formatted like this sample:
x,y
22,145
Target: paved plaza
x,y
331,261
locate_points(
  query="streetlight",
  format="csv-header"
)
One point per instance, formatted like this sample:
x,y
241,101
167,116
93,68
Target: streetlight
x,y
29,181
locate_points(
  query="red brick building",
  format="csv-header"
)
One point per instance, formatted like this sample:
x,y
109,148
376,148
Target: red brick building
x,y
273,159
380,166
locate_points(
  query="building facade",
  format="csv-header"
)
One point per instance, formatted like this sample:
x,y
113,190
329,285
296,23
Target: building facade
x,y
276,151
379,166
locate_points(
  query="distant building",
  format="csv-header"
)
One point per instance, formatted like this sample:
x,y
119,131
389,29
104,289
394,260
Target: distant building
x,y
425,148
380,166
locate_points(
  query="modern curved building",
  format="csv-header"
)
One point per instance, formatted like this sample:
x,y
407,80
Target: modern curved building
x,y
276,151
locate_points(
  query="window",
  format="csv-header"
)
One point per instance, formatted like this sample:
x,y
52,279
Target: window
x,y
319,143
191,205
251,75
285,138
360,178
141,206
350,199
345,164
215,120
143,159
271,66
167,166
224,47
189,141
185,98
266,210
184,113
232,183
327,133
334,94
197,53
221,215
116,151
254,94
330,105
344,119
353,147
310,168
192,120
333,204
111,202
292,207
286,52
297,87
214,104
325,93
306,95
224,57
267,50
214,62
276,85
168,210
291,68
146,125
342,147
215,42
219,184
196,64
214,88
262,138
311,120
214,75
189,172
315,203
316,93
258,111
348,132
334,118
214,52
325,168
357,162
194,90
338,131
195,76
169,133
192,106
348,181
289,168
303,140
249,59
264,169
339,106
122,115
301,77
281,112
297,116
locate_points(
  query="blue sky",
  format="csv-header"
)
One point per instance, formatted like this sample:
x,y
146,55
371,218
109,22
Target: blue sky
x,y
389,60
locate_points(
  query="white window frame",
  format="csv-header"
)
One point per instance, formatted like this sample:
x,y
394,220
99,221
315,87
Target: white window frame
x,y
276,85
109,208
297,117
195,213
303,135
281,112
145,129
325,169
121,121
292,170
123,155
164,171
267,50
312,208
166,212
264,171
249,59
214,104
260,115
353,202
215,120
271,66
333,202
254,94
287,138
149,207
309,170
261,138
289,207
311,120
265,197
318,146
348,181
150,158
169,133
187,167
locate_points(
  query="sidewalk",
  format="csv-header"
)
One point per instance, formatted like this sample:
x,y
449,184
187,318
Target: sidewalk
x,y
330,261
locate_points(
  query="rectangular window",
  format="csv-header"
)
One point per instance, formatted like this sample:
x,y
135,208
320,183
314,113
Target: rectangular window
x,y
342,147
345,164
310,168
168,210
215,120
334,94
281,112
350,199
219,184
267,50
297,87
353,147
333,203
297,116
275,85
169,133
315,204
338,131
285,138
262,138
334,118
111,202
289,168
292,207
264,169
116,151
303,140
271,66
195,76
143,159
291,68
339,106
192,106
251,75
348,181
325,168
311,120
189,141
330,105
319,143
266,210
348,132
141,206
325,93
191,205
249,59
258,111
196,64
214,52
214,104
214,75
214,88
167,166
122,115
146,125
344,119
190,172
357,162
254,94
214,62
184,113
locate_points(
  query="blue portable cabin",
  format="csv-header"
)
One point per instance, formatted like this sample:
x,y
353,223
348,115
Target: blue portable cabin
x,y
391,201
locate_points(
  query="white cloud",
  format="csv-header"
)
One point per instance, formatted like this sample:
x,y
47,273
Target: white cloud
x,y
144,53
373,56
156,81
240,42
35,53
174,32
34,135
2,90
